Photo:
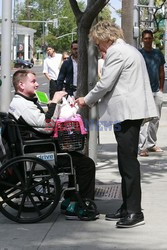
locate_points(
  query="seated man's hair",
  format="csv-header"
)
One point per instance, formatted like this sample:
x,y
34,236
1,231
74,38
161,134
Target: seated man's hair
x,y
20,75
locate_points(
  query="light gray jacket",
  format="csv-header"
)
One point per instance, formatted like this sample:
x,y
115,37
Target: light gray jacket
x,y
124,89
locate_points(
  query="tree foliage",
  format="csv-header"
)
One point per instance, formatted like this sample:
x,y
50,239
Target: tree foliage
x,y
158,14
153,18
48,11
105,13
58,33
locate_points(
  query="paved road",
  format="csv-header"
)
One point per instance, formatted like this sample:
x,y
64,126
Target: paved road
x,y
44,83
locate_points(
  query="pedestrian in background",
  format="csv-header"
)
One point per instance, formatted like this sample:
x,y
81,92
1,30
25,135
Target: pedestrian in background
x,y
65,56
125,99
155,65
68,72
51,69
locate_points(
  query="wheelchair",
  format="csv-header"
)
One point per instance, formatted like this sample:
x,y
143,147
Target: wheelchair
x,y
30,179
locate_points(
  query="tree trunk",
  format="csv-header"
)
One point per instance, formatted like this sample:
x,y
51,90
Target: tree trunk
x,y
84,21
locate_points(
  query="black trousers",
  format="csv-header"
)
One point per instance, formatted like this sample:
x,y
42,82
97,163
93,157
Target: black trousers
x,y
85,174
127,138
52,88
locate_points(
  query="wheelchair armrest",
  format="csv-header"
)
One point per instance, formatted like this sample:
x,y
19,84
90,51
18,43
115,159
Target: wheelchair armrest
x,y
3,115
37,141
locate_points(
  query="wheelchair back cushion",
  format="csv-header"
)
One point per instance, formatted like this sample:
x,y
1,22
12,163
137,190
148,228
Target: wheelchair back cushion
x,y
11,138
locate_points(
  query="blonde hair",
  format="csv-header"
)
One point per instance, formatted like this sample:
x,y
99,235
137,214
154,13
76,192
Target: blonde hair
x,y
65,55
105,31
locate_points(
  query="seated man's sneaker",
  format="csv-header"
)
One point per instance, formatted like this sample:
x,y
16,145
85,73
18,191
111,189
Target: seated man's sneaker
x,y
73,210
64,204
131,220
70,213
118,215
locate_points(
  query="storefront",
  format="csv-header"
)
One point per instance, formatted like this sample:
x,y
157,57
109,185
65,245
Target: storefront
x,y
22,42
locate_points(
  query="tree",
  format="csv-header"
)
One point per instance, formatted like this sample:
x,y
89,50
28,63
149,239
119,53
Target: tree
x,y
59,20
84,20
105,13
158,15
49,11
155,16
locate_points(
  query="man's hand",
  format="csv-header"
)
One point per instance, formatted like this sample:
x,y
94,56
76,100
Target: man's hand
x,y
58,96
80,101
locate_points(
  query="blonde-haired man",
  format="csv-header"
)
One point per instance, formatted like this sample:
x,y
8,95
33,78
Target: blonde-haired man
x,y
126,99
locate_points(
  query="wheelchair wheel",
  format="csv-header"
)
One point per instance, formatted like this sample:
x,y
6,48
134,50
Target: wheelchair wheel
x,y
30,189
89,209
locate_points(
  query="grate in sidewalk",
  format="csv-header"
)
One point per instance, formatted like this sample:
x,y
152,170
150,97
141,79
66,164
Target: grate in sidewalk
x,y
108,192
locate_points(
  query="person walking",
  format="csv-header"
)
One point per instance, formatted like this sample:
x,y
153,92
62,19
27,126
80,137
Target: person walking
x,y
68,72
155,65
125,99
51,69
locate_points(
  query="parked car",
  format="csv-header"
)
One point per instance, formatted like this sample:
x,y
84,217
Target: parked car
x,y
20,63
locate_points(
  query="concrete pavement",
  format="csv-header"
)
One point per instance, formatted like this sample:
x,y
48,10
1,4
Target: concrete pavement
x,y
57,233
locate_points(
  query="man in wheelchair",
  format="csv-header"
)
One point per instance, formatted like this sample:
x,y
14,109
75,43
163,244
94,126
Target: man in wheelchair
x,y
25,108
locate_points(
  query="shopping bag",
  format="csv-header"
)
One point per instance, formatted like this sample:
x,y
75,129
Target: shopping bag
x,y
66,109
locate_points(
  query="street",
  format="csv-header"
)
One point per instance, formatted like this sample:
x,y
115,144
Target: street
x,y
44,83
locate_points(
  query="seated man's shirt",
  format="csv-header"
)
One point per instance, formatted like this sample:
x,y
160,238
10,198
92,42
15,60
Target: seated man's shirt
x,y
28,111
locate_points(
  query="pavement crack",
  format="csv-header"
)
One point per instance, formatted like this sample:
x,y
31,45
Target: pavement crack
x,y
48,232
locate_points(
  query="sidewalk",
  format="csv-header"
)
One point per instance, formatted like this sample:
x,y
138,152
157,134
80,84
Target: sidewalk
x,y
57,233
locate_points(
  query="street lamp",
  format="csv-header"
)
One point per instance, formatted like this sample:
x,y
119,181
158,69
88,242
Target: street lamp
x,y
56,20
14,31
43,30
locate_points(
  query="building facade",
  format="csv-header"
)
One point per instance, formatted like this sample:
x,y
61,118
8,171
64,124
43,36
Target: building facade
x,y
22,45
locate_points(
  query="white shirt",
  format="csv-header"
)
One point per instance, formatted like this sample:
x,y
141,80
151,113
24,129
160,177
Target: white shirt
x,y
75,72
51,66
100,65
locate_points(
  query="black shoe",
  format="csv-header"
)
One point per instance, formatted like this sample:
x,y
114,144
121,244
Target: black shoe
x,y
131,220
121,213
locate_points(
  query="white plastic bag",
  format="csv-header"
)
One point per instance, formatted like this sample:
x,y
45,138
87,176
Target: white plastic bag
x,y
66,109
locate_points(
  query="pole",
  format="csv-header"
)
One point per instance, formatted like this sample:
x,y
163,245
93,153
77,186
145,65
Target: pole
x,y
6,55
13,34
92,79
127,20
136,26
43,39
165,35
151,4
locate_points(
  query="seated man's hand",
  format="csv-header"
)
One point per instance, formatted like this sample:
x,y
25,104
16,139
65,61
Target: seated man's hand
x,y
80,101
58,96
